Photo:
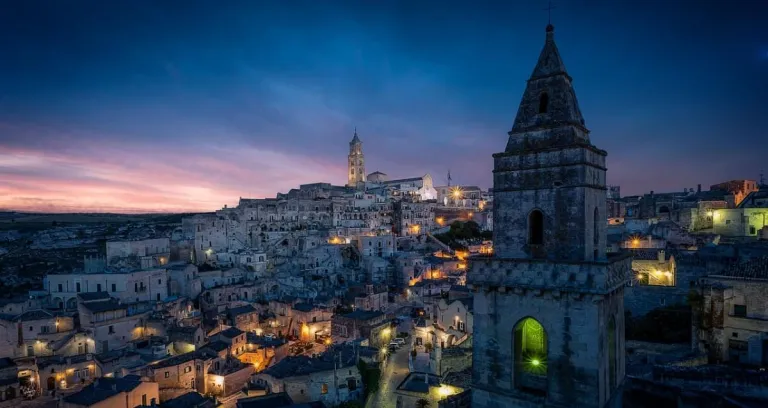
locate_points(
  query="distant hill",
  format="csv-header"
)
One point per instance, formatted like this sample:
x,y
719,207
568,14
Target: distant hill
x,y
19,218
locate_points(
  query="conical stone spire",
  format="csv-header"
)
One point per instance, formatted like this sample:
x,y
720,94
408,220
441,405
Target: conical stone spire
x,y
549,112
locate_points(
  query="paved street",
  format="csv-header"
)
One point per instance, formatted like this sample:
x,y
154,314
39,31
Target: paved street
x,y
391,376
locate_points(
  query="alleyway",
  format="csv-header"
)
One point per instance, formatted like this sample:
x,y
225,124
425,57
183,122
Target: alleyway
x,y
395,371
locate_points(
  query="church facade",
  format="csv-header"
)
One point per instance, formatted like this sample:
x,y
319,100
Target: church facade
x,y
549,303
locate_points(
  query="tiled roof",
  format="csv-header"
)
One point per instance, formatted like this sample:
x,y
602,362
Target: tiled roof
x,y
304,365
647,254
755,268
33,315
189,400
231,332
102,389
304,307
236,311
104,306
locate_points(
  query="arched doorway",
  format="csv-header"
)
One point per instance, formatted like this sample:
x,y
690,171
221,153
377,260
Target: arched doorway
x,y
531,354
51,383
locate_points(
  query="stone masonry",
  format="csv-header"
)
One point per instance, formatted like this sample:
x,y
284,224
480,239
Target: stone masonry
x,y
549,263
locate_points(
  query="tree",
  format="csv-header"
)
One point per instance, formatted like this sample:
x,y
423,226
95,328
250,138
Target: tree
x,y
423,403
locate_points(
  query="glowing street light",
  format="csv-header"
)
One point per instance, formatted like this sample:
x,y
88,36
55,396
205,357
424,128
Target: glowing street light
x,y
535,362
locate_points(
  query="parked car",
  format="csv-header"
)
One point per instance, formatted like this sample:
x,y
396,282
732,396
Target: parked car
x,y
400,341
392,347
394,344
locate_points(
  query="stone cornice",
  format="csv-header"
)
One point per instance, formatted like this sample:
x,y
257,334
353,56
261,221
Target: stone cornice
x,y
602,277
552,149
551,166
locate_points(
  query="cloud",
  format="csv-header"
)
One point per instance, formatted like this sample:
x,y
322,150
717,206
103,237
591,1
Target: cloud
x,y
145,179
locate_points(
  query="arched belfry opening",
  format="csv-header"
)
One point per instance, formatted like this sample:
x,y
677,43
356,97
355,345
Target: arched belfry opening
x,y
530,349
543,103
536,228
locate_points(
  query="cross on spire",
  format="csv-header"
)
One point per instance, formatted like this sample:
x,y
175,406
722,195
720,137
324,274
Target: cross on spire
x,y
549,12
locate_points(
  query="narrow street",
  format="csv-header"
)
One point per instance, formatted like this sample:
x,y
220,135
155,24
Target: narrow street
x,y
391,376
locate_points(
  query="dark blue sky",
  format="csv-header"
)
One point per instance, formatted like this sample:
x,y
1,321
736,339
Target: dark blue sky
x,y
190,104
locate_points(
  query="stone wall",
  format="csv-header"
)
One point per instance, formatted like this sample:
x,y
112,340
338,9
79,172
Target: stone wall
x,y
576,327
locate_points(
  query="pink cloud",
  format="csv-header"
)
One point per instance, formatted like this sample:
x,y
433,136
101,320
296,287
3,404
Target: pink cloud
x,y
95,177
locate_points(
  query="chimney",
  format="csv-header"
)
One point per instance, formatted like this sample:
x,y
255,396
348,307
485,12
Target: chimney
x,y
651,193
662,258
698,189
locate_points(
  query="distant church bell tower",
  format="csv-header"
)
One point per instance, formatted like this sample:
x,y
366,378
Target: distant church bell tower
x,y
356,162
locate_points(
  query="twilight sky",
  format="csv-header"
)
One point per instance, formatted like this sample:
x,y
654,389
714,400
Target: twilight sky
x,y
136,106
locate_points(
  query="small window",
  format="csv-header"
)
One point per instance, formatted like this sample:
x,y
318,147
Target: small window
x,y
324,389
536,228
98,287
752,231
167,374
114,288
740,310
735,335
543,103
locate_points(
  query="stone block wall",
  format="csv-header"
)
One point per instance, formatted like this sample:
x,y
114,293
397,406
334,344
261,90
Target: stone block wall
x,y
574,324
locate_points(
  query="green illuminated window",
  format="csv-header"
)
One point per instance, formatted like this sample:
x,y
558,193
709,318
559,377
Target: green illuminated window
x,y
531,347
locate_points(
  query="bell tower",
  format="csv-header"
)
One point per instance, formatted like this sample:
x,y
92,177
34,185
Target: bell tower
x,y
355,162
549,303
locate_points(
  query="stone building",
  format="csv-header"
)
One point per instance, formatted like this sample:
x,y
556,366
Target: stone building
x,y
549,304
413,217
331,377
127,392
125,284
746,220
356,164
360,324
732,319
151,252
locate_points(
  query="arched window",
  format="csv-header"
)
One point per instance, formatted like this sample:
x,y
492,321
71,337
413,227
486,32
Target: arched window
x,y
612,353
543,103
353,171
530,347
536,228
